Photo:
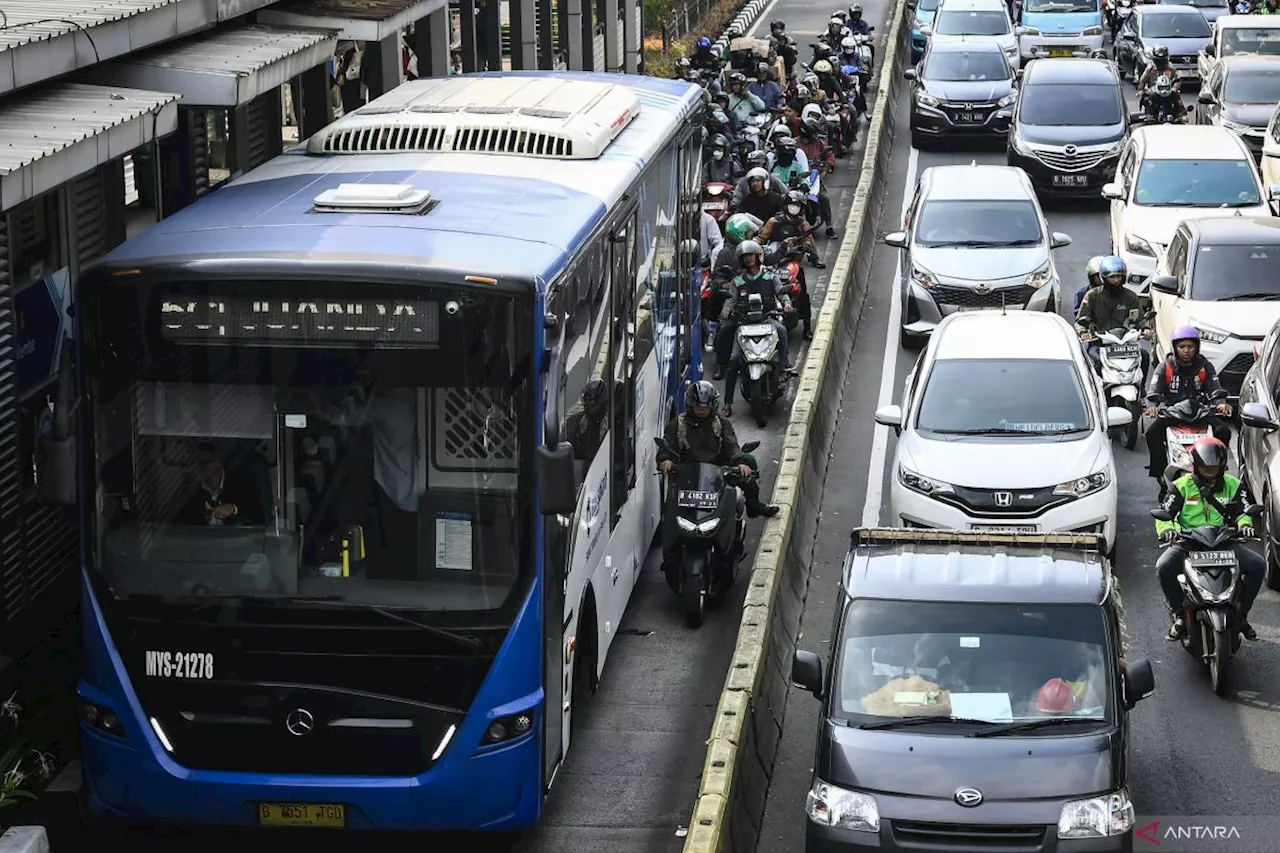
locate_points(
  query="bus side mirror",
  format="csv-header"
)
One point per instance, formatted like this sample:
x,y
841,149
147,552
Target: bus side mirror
x,y
58,470
557,486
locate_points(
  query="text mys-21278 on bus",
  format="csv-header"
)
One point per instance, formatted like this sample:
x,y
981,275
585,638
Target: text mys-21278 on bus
x,y
365,456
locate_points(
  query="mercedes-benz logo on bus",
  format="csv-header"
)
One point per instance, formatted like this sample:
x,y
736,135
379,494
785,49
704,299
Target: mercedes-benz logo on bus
x,y
300,722
968,797
1069,150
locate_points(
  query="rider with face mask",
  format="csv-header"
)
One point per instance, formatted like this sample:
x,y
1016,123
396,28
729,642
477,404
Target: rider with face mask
x,y
856,23
1207,497
814,143
789,164
753,279
791,231
720,164
783,44
764,88
1184,375
1108,307
836,33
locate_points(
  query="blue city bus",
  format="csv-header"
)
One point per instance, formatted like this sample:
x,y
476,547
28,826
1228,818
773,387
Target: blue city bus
x,y
365,456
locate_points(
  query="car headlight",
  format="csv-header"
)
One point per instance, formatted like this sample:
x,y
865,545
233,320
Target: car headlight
x,y
1092,31
1011,50
1020,146
1040,277
1008,100
704,527
924,99
923,277
1234,127
923,485
1097,817
1212,335
1139,246
828,805
1082,486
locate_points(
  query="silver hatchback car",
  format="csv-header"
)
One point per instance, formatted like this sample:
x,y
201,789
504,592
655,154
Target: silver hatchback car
x,y
975,238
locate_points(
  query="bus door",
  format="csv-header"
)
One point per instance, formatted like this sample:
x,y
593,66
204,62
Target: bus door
x,y
624,509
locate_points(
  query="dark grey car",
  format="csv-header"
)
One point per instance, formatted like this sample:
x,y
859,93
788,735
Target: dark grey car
x,y
1240,95
1181,29
961,89
962,711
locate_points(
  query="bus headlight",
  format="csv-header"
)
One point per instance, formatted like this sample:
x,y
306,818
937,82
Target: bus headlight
x,y
509,728
100,718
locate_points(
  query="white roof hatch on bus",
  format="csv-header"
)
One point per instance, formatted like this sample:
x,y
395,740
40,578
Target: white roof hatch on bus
x,y
555,118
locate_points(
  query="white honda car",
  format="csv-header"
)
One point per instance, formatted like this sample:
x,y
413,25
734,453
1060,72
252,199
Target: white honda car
x,y
1003,427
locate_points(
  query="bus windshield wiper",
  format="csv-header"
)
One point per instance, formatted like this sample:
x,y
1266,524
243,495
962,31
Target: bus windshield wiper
x,y
919,720
469,643
1027,725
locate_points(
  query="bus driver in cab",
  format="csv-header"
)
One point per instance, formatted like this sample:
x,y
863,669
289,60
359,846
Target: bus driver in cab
x,y
223,497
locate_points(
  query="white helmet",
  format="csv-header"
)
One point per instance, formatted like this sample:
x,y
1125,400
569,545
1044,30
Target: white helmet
x,y
848,44
757,174
811,111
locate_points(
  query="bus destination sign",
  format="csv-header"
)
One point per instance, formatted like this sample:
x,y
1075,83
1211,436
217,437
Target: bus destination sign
x,y
247,319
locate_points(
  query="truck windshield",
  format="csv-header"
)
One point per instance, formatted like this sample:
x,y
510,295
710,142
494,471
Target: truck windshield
x,y
994,662
355,443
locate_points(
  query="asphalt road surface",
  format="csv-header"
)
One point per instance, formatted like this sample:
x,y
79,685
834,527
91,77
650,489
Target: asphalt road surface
x,y
1192,753
632,773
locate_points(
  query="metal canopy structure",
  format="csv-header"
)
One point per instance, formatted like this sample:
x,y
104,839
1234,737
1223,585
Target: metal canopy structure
x,y
226,68
357,20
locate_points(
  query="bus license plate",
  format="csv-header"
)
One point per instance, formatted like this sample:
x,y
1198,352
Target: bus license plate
x,y
1209,559
327,815
698,500
1071,180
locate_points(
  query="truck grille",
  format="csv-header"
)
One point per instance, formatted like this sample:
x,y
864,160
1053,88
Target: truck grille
x,y
964,836
964,297
1076,162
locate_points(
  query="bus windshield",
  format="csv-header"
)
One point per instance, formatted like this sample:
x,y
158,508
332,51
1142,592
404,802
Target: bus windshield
x,y
360,444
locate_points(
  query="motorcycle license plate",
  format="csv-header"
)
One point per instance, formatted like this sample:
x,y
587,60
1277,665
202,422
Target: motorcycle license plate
x,y
1071,180
697,500
1187,436
754,330
1211,559
1125,351
711,206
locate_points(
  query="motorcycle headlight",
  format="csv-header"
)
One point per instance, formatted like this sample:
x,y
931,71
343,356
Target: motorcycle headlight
x,y
1040,277
1082,486
1097,817
1212,335
923,485
703,527
828,805
924,99
1008,100
923,277
1092,31
1139,246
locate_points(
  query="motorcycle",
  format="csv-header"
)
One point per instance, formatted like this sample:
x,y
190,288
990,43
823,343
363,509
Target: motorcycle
x,y
1211,596
716,196
1120,11
710,510
867,51
758,341
1120,354
1190,424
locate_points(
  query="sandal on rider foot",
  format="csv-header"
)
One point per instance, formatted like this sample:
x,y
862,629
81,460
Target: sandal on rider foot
x,y
1247,631
1175,631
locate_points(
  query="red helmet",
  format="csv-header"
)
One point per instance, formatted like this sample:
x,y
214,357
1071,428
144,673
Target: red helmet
x,y
1209,453
1056,697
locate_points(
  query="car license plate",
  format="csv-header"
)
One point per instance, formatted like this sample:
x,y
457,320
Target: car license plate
x,y
1126,351
1071,180
1003,528
1061,51
698,500
1209,559
964,309
328,815
1186,72
966,118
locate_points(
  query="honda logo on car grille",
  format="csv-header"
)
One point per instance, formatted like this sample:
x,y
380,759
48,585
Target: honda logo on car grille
x,y
1003,499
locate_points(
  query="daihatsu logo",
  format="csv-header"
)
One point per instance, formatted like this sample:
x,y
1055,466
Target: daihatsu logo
x,y
968,797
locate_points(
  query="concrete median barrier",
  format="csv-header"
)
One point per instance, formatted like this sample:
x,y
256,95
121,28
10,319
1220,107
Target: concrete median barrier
x,y
744,737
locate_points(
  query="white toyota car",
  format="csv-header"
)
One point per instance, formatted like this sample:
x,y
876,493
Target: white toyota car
x,y
1003,427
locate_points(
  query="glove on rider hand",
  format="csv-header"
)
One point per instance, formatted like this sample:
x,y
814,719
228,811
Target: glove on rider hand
x,y
1168,536
1246,530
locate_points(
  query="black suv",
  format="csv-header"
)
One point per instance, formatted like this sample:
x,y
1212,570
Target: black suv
x,y
1068,126
976,698
961,89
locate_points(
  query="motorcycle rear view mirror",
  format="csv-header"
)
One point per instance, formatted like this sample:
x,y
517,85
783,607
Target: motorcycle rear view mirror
x,y
1160,514
1258,416
750,446
1253,510
1139,681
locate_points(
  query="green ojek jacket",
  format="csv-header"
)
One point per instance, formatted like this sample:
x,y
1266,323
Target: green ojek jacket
x,y
1189,508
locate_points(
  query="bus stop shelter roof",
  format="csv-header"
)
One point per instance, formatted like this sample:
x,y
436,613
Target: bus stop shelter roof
x,y
225,68
66,129
357,20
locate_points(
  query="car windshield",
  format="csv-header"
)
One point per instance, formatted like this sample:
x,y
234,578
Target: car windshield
x,y
973,23
1060,6
1180,25
247,443
1235,272
1064,105
994,396
1197,183
1254,86
973,66
984,224
1001,663
1261,40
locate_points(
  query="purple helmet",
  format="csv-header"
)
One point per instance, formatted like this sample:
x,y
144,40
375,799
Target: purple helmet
x,y
1184,333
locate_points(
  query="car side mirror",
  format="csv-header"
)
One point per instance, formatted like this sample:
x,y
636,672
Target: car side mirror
x,y
1139,681
1160,514
1059,240
1209,50
1118,417
1113,191
1259,416
890,416
1136,117
1017,75
806,672
1019,31
1274,192
926,30
896,239
1165,284
1205,97
909,74
557,485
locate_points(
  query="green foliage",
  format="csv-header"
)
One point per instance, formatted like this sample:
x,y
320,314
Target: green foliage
x,y
24,764
660,63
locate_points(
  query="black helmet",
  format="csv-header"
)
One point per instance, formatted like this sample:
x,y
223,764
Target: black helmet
x,y
595,398
778,26
787,143
719,141
796,201
758,159
1160,52
701,393
1208,460
737,77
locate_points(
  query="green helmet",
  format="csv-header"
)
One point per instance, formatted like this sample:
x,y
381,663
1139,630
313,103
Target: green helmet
x,y
741,226
1094,267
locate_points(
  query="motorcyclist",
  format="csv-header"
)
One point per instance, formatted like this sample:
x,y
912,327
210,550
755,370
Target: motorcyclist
x,y
763,197
791,231
850,64
856,23
836,33
763,87
1158,67
814,143
1092,278
742,104
783,44
754,278
1184,375
704,57
1163,98
721,164
702,434
1270,7
724,263
1108,307
789,161
1207,497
